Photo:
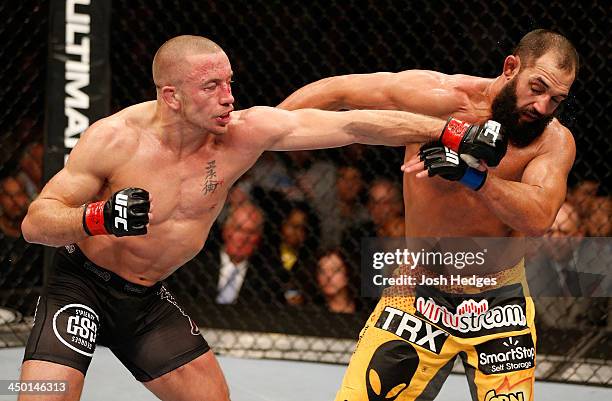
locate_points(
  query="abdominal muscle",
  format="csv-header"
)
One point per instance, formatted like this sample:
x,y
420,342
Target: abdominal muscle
x,y
147,259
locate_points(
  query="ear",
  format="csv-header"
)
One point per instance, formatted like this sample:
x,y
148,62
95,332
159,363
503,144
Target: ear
x,y
512,65
171,97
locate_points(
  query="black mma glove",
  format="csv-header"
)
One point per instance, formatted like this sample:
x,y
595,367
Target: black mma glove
x,y
125,213
442,161
487,142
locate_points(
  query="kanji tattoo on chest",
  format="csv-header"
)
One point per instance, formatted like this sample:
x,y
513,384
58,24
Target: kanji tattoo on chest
x,y
211,182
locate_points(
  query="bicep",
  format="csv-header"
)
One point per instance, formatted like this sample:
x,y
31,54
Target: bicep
x,y
84,174
548,172
416,91
72,187
306,129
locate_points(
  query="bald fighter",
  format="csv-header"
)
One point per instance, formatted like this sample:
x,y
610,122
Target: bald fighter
x,y
405,351
137,199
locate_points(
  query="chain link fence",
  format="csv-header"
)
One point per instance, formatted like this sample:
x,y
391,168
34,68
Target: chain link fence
x,y
22,75
314,207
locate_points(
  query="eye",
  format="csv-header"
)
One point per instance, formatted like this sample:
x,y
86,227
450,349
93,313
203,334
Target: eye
x,y
536,89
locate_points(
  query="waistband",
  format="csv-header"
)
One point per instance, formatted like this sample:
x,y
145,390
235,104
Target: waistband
x,y
106,277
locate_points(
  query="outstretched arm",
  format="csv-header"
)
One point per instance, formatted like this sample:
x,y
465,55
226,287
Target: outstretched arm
x,y
317,129
417,91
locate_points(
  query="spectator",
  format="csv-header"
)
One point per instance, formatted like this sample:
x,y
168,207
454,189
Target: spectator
x,y
241,235
581,195
385,202
349,209
334,282
14,204
384,206
554,277
599,217
31,169
294,245
233,270
394,227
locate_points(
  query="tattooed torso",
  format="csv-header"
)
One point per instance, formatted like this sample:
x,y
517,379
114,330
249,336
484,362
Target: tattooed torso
x,y
187,192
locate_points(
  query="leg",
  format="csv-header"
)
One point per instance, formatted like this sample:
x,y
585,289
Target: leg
x,y
398,357
168,353
201,379
42,370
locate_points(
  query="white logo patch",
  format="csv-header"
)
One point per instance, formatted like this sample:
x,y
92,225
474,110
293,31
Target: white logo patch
x,y
76,326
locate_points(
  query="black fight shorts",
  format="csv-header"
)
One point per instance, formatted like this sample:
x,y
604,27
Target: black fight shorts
x,y
85,305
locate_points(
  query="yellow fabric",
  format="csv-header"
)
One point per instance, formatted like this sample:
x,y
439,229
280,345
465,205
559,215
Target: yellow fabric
x,y
513,385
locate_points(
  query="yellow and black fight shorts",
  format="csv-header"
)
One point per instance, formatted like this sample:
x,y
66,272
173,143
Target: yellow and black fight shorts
x,y
409,344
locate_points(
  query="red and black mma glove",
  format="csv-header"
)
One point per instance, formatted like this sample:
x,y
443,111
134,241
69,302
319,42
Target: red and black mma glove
x,y
124,213
485,142
442,161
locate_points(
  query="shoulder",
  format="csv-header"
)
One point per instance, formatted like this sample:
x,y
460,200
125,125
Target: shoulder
x,y
431,92
555,144
109,141
558,138
118,132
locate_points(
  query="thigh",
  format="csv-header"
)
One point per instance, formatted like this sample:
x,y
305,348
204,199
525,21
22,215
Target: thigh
x,y
66,326
398,357
43,370
157,338
201,379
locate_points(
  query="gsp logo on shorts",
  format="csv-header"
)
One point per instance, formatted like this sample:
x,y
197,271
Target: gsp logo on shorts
x,y
76,326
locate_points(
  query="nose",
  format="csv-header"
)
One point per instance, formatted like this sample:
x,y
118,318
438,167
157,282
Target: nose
x,y
226,98
543,105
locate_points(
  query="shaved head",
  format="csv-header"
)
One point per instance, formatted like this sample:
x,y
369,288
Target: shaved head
x,y
170,60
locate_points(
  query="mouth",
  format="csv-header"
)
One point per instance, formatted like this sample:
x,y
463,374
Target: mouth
x,y
530,116
224,119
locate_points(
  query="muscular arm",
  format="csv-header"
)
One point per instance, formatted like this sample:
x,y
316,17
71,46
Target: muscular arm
x,y
317,129
530,206
417,91
55,217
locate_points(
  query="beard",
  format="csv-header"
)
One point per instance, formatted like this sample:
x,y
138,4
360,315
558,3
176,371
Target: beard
x,y
505,112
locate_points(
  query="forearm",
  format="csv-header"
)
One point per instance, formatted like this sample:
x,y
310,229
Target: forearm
x,y
50,222
520,206
393,128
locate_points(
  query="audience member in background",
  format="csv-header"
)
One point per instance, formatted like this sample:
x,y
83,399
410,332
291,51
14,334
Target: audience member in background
x,y
335,282
14,202
393,228
599,217
295,243
384,205
581,196
241,234
349,209
31,169
551,272
233,269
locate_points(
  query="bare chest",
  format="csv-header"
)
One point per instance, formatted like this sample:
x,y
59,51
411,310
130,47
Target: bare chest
x,y
181,189
454,209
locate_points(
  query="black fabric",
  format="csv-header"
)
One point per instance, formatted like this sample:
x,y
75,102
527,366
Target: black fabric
x,y
86,305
